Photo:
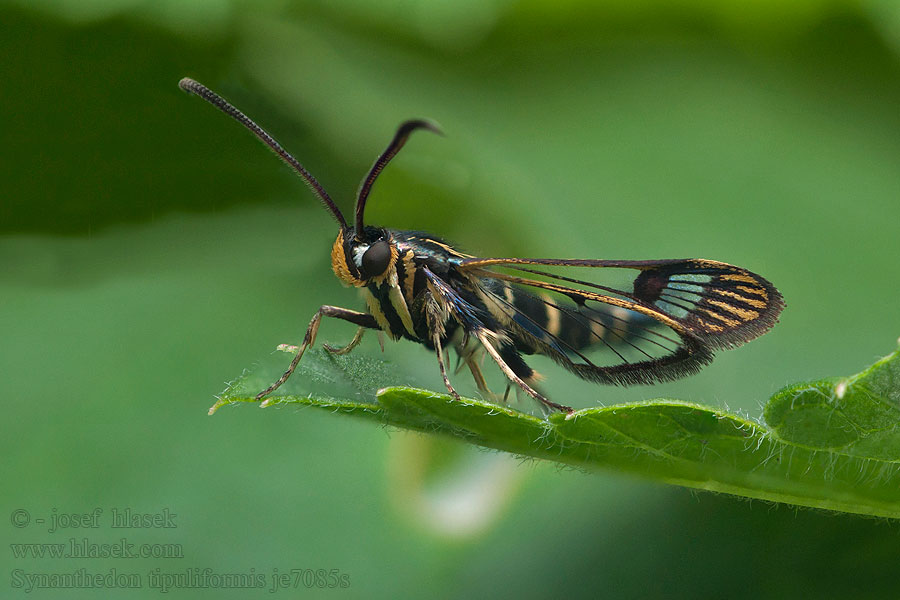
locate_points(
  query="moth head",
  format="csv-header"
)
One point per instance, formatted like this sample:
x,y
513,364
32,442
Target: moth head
x,y
359,259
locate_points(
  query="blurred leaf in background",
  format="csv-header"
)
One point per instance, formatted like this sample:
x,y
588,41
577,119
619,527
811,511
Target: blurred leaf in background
x,y
150,249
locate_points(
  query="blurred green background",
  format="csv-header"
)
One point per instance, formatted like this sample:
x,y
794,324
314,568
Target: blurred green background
x,y
150,251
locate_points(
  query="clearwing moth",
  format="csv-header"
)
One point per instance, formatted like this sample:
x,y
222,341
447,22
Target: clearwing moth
x,y
417,286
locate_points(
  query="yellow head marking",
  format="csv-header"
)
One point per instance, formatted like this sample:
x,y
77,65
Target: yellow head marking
x,y
339,263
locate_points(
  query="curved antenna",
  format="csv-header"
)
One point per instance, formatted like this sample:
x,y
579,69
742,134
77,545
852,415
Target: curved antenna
x,y
403,132
193,87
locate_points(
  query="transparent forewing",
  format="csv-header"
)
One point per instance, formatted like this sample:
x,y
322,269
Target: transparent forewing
x,y
659,324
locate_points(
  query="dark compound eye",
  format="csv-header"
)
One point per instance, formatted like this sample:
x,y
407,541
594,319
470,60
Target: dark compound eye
x,y
376,259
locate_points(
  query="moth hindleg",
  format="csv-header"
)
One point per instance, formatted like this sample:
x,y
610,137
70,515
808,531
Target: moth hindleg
x,y
482,336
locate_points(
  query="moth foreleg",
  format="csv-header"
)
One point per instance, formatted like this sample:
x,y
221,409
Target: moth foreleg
x,y
364,320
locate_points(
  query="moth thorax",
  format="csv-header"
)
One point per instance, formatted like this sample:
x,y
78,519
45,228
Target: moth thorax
x,y
339,261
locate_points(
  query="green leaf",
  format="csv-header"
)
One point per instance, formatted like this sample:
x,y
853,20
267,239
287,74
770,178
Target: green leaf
x,y
832,444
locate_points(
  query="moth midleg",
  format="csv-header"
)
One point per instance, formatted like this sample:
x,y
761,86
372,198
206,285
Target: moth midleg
x,y
364,320
439,351
437,315
357,338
